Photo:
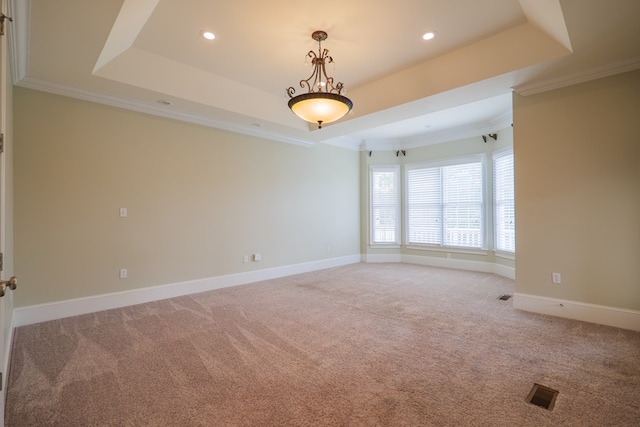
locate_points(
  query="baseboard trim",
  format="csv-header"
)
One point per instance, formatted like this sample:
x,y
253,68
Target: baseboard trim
x,y
57,310
611,316
373,258
460,264
505,271
593,313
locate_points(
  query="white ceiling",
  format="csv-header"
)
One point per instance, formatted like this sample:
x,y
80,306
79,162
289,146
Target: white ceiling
x,y
406,91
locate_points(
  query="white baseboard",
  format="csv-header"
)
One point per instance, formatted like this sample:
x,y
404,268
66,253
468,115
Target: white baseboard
x,y
460,264
381,258
604,315
505,271
74,307
621,318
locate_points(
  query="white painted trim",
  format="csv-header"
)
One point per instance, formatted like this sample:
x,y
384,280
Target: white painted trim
x,y
373,258
504,271
74,307
601,314
18,38
472,130
583,76
7,352
153,109
458,264
446,249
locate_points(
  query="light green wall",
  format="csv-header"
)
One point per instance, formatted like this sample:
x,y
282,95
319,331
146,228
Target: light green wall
x,y
198,199
577,173
459,148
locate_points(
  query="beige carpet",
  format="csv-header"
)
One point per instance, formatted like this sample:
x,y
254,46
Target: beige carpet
x,y
361,345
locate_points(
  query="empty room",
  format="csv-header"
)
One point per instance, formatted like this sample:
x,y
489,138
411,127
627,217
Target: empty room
x,y
413,213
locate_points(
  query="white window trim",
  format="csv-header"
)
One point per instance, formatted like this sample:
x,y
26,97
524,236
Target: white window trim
x,y
398,224
499,252
504,254
482,158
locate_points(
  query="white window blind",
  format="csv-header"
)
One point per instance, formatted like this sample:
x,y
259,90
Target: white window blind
x,y
445,204
385,204
424,203
503,199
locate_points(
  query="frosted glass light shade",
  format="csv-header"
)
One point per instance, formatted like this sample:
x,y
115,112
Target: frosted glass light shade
x,y
320,107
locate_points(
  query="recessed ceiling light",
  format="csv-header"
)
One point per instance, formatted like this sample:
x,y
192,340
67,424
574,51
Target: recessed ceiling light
x,y
208,35
428,35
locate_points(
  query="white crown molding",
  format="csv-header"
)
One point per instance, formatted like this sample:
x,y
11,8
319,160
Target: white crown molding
x,y
459,133
156,110
438,137
503,121
583,76
345,142
380,144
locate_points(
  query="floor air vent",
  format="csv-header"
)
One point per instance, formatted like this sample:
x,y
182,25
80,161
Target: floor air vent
x,y
504,297
542,396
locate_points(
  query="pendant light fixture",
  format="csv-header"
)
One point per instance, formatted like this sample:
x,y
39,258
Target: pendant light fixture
x,y
323,102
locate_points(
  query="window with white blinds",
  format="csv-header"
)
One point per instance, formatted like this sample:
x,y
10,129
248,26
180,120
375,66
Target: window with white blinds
x,y
503,201
445,203
385,204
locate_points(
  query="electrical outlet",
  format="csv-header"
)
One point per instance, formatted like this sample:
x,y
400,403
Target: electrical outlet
x,y
123,212
556,278
123,273
246,258
257,257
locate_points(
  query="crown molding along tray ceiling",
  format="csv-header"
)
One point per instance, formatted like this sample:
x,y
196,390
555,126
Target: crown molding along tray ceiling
x,y
150,56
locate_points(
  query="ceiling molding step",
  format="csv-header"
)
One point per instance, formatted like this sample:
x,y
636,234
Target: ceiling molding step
x,y
547,16
448,135
131,19
456,134
583,76
142,107
381,145
345,142
503,121
18,38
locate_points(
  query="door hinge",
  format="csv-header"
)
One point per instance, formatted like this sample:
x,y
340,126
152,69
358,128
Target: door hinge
x,y
1,142
1,261
2,19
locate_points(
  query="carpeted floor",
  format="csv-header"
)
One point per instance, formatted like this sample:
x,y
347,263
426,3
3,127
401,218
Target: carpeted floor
x,y
360,345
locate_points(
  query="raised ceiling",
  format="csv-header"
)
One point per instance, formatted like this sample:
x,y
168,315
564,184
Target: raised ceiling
x,y
406,91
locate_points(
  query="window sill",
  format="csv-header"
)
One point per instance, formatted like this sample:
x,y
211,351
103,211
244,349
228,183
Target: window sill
x,y
451,249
